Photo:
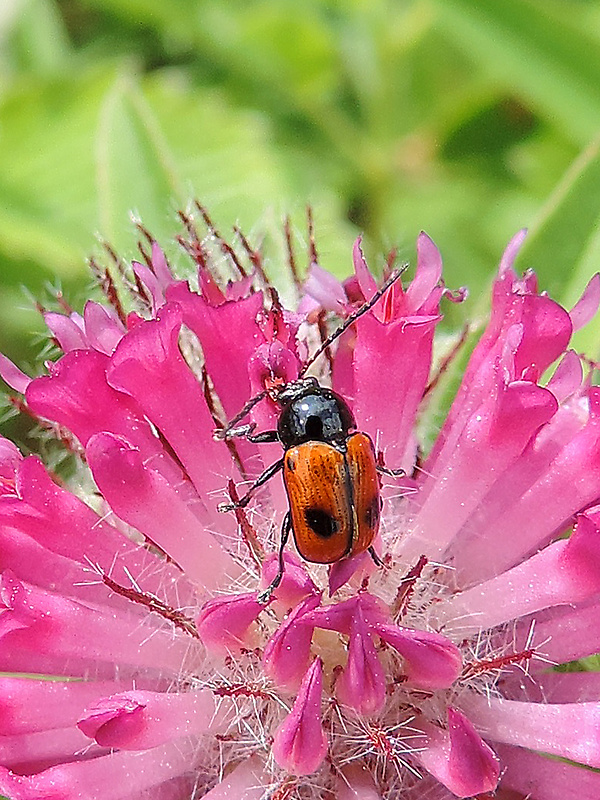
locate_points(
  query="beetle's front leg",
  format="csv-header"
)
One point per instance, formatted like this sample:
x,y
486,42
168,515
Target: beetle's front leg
x,y
245,432
265,595
245,499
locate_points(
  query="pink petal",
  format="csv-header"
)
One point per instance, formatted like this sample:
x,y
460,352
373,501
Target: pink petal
x,y
139,720
511,251
567,377
545,332
287,652
355,782
534,775
160,266
208,322
428,273
299,744
103,328
431,661
341,572
120,775
149,356
567,634
402,352
144,499
36,620
63,524
246,782
565,572
340,616
325,289
36,750
10,458
567,479
366,281
13,376
150,283
28,705
296,583
223,622
492,440
68,331
586,307
568,730
361,686
459,758
77,396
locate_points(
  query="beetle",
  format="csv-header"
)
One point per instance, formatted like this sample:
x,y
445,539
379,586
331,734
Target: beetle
x,y
329,467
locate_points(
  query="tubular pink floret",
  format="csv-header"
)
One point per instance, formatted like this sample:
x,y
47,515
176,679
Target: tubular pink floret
x,y
458,757
361,686
355,782
565,572
568,730
150,355
13,376
531,775
586,307
37,620
431,661
103,328
57,703
299,743
223,622
139,720
142,497
67,330
296,584
121,775
287,652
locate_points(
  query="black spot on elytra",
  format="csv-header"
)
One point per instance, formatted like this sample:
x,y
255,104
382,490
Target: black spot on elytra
x,y
321,522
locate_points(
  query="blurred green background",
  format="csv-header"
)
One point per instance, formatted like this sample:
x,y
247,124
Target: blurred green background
x,y
467,118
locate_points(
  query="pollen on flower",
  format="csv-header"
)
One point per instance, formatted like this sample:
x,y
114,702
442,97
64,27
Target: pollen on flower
x,y
193,657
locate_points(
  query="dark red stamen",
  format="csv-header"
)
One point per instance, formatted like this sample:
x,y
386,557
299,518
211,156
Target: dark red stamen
x,y
407,587
248,533
488,665
175,616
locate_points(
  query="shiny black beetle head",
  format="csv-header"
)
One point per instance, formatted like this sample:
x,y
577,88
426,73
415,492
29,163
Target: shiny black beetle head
x,y
312,413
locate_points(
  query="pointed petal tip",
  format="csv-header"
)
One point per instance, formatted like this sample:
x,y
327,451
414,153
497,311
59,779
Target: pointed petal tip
x,y
299,744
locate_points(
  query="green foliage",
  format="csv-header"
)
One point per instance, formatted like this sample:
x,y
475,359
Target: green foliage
x,y
456,116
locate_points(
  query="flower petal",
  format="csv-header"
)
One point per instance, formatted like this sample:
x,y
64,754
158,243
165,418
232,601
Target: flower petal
x,y
361,686
139,720
287,652
223,622
299,744
458,757
431,661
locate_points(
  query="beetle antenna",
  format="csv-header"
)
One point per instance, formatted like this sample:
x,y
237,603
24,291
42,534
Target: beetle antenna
x,y
396,274
224,433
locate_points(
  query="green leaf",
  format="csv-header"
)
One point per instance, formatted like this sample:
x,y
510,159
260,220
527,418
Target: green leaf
x,y
535,49
563,246
135,168
39,40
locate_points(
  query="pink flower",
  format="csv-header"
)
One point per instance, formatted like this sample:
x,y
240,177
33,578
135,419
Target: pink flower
x,y
176,675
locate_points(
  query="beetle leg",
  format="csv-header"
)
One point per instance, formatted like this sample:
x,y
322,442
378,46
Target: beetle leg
x,y
265,595
376,560
245,499
392,473
226,434
262,438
